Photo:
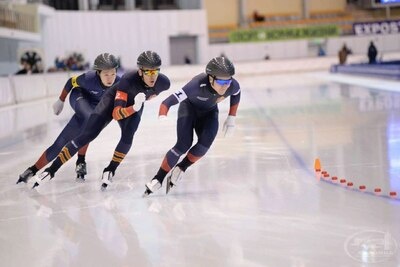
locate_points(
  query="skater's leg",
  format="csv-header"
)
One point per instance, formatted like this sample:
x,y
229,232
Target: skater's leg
x,y
206,129
185,124
93,127
128,128
81,168
51,152
80,104
82,154
83,108
67,134
184,128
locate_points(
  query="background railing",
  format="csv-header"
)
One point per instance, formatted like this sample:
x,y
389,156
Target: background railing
x,y
13,19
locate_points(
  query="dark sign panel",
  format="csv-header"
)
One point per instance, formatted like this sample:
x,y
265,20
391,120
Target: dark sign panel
x,y
387,1
382,3
377,27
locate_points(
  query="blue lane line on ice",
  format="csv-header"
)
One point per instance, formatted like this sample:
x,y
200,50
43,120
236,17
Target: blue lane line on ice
x,y
282,137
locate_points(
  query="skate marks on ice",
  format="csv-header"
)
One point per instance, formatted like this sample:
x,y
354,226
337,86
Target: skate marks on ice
x,y
249,202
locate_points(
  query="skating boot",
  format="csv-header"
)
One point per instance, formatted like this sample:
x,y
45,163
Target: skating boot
x,y
39,179
26,175
173,178
80,172
151,187
106,178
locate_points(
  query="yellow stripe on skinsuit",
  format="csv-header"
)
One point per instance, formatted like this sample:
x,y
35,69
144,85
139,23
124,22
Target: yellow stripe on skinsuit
x,y
119,154
64,155
116,159
66,151
74,82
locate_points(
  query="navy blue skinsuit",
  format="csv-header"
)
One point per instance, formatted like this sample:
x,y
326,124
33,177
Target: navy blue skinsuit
x,y
116,103
198,111
86,91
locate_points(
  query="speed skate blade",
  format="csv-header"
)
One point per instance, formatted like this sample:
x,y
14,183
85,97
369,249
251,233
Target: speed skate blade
x,y
35,185
147,192
168,186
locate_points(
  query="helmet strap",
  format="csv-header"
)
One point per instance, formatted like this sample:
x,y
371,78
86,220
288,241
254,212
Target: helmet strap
x,y
213,78
211,89
142,77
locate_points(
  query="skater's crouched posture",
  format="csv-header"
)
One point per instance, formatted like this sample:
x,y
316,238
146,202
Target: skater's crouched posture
x,y
198,112
85,91
123,102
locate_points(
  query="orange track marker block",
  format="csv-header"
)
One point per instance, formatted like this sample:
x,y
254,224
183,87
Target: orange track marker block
x,y
317,165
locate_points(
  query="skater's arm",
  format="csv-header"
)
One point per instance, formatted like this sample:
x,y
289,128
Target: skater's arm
x,y
229,124
234,104
75,81
234,97
173,99
121,111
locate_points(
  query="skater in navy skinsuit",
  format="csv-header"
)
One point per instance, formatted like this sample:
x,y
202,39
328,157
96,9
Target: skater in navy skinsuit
x,y
124,103
198,112
85,92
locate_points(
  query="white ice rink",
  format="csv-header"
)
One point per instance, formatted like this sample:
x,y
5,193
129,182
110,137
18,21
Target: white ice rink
x,y
253,200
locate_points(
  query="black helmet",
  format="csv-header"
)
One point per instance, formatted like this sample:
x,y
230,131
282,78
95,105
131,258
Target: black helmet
x,y
221,67
149,59
105,61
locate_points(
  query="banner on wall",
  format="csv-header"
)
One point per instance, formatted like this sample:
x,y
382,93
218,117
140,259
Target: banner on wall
x,y
377,27
264,35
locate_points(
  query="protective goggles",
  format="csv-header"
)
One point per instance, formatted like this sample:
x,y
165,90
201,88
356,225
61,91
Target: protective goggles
x,y
151,72
223,82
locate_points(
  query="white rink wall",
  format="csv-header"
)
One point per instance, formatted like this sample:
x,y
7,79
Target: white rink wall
x,y
20,114
17,89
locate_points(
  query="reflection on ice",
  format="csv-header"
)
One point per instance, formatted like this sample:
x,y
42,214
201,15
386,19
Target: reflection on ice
x,y
253,200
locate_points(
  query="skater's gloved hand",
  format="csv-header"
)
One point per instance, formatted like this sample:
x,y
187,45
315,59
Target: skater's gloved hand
x,y
229,126
139,99
58,106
